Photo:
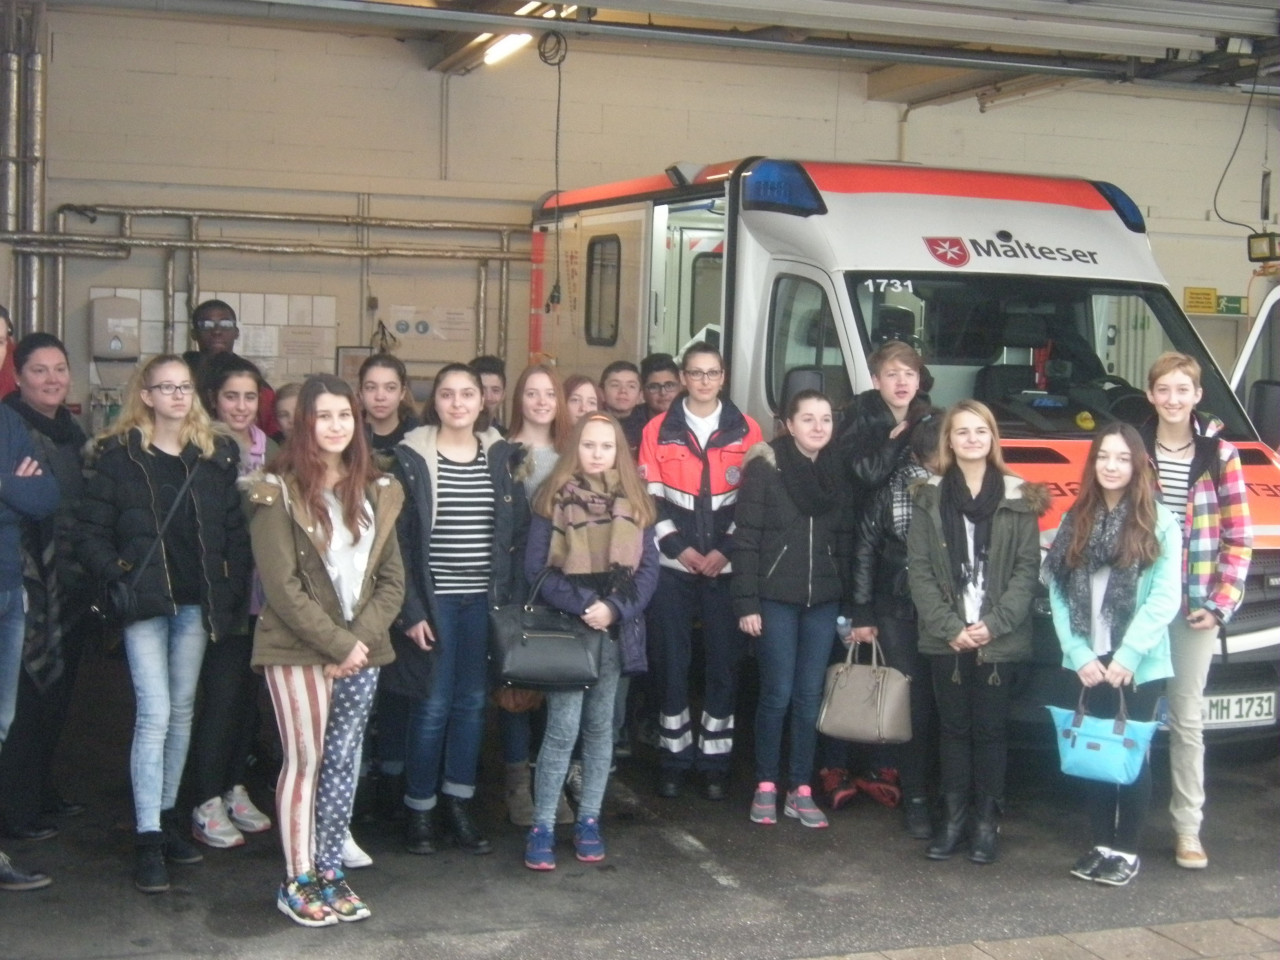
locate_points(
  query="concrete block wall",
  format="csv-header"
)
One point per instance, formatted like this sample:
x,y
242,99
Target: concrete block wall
x,y
150,109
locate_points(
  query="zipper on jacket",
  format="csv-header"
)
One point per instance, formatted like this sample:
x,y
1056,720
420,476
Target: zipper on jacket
x,y
777,560
151,490
204,569
809,602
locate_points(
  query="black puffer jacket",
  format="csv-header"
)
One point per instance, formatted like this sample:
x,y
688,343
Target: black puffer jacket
x,y
864,443
119,518
880,586
780,553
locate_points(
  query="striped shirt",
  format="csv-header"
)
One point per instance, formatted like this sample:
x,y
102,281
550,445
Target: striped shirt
x,y
462,538
1175,480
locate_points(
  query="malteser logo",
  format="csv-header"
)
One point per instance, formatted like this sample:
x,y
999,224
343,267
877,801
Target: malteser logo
x,y
948,250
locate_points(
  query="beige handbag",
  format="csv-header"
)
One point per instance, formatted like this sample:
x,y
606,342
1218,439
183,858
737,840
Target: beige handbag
x,y
866,702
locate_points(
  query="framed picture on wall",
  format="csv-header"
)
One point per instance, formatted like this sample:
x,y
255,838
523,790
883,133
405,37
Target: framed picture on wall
x,y
347,362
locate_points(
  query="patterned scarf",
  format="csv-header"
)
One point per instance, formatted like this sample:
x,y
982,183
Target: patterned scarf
x,y
594,533
1076,583
900,495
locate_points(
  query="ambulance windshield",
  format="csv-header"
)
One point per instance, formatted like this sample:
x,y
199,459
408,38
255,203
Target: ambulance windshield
x,y
1050,356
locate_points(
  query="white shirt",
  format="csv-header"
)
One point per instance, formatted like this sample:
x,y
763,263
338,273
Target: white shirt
x,y
703,427
1100,631
974,593
348,558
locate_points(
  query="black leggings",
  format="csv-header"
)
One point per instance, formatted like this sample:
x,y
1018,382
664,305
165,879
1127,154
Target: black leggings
x,y
1117,815
973,711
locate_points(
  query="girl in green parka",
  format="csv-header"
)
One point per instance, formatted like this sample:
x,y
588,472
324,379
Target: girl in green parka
x,y
973,553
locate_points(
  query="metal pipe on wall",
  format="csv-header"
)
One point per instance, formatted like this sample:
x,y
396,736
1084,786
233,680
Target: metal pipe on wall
x,y
482,305
193,268
504,293
9,102
170,331
334,219
33,172
22,239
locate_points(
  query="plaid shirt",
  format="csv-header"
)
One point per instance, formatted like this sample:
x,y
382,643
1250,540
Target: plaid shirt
x,y
1217,541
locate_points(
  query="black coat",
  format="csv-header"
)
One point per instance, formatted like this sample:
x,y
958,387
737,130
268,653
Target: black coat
x,y
780,553
410,674
864,444
119,519
879,568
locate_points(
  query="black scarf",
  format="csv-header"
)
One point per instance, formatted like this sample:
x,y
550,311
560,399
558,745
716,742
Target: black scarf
x,y
812,485
958,505
61,428
1076,583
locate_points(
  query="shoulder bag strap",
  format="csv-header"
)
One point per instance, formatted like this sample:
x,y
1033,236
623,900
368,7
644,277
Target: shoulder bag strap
x,y
173,508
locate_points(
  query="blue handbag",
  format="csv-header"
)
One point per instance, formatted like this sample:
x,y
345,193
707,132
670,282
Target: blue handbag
x,y
1111,751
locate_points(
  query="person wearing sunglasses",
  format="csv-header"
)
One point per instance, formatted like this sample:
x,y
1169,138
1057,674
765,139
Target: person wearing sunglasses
x,y
691,457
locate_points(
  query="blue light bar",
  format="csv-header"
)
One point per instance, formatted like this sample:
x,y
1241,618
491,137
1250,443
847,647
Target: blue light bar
x,y
781,186
1123,205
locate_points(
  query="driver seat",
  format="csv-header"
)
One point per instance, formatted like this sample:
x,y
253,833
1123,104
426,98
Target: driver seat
x,y
999,381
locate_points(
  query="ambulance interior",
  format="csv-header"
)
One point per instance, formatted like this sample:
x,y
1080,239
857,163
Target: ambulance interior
x,y
1052,357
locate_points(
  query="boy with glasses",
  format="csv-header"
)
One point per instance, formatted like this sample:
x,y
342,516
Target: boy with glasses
x,y
215,330
661,378
691,457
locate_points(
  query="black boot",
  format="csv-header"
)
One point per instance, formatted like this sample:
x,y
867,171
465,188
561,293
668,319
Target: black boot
x,y
422,831
176,829
149,872
461,828
986,826
916,816
950,834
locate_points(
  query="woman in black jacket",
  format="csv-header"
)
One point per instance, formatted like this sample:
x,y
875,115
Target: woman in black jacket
x,y
883,611
790,563
192,590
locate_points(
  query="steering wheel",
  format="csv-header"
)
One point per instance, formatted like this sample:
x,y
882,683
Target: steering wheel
x,y
1111,380
1121,393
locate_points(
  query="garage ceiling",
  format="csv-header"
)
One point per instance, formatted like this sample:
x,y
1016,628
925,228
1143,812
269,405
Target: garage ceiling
x,y
915,52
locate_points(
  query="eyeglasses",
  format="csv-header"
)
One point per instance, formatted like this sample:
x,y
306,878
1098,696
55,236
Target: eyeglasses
x,y
169,389
704,376
664,386
224,324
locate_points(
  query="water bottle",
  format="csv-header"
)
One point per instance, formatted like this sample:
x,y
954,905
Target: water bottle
x,y
844,630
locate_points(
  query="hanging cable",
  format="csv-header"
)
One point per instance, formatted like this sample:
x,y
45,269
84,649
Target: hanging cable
x,y
552,49
1257,73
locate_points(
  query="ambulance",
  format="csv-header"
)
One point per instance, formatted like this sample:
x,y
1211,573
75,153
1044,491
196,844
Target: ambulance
x,y
1037,295
1256,377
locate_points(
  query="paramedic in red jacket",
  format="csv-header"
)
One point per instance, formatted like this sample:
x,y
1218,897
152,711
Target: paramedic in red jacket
x,y
691,457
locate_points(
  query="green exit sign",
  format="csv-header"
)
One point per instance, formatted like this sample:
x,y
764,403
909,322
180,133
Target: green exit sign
x,y
1233,306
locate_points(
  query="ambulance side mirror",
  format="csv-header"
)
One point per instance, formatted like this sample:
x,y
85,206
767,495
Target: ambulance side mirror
x,y
1264,411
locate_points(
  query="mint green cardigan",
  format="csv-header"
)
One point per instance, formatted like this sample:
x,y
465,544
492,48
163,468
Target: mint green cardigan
x,y
1144,649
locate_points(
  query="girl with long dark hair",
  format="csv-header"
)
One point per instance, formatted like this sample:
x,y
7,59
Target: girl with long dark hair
x,y
191,592
388,406
325,544
973,555
592,532
1114,577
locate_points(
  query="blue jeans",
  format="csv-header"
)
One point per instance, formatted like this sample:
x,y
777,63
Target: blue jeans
x,y
165,654
12,625
792,654
447,726
568,712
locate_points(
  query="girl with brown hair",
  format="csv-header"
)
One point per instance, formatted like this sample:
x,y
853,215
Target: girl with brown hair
x,y
1114,577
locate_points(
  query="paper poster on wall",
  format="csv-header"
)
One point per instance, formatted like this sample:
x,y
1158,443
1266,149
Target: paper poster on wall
x,y
452,323
305,343
259,341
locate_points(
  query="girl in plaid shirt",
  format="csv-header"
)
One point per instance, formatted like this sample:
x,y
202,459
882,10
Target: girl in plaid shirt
x,y
1201,479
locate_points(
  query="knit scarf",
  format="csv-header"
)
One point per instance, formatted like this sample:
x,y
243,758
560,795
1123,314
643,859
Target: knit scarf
x,y
957,505
812,485
595,534
1076,583
900,484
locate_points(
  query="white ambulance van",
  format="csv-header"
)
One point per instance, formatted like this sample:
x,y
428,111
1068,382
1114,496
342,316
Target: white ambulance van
x,y
1256,377
1037,295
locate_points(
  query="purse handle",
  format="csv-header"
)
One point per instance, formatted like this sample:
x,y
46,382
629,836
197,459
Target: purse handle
x,y
532,596
877,655
1122,715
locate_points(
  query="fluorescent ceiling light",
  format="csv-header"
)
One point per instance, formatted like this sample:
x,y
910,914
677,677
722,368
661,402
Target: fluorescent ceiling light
x,y
528,8
506,46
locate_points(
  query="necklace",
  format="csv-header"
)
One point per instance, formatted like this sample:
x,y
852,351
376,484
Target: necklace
x,y
1185,446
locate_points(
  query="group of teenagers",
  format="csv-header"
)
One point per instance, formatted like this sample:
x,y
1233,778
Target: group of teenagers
x,y
354,566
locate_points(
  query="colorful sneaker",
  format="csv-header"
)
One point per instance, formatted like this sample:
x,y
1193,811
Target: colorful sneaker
x,y
587,845
764,805
881,786
353,858
302,901
211,826
801,806
540,848
243,813
837,786
340,898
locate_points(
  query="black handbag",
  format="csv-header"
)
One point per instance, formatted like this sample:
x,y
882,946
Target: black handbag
x,y
117,600
542,648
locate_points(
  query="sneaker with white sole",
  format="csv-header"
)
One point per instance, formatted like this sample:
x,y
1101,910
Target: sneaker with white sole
x,y
246,817
800,805
764,805
1189,853
302,901
212,827
353,858
340,898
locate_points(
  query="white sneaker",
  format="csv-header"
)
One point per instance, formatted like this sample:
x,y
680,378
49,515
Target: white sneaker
x,y
353,858
210,825
242,811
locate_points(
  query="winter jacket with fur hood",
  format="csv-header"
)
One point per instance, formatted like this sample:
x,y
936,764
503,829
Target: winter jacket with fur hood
x,y
1013,571
303,623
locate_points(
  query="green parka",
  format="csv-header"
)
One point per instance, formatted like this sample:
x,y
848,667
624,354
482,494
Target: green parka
x,y
1013,569
302,623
